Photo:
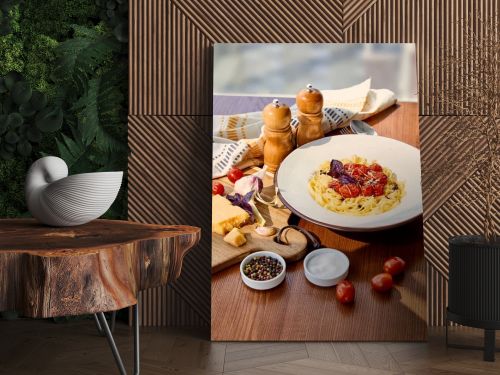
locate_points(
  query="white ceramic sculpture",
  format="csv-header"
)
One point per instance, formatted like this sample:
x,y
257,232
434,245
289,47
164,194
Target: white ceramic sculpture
x,y
56,199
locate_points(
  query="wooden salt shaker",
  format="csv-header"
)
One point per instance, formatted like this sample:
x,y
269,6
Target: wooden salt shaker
x,y
278,133
310,106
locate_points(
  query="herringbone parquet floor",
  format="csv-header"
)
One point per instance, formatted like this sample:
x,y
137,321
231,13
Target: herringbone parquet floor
x,y
43,348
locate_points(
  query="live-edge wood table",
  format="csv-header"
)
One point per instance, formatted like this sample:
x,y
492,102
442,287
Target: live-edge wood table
x,y
88,269
300,311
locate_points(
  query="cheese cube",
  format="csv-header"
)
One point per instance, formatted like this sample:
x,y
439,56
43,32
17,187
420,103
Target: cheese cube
x,y
235,238
225,216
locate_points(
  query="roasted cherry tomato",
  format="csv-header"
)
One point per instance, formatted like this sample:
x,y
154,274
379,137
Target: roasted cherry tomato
x,y
378,189
366,190
348,167
217,188
382,282
349,191
234,174
345,292
359,170
379,177
394,266
335,185
375,167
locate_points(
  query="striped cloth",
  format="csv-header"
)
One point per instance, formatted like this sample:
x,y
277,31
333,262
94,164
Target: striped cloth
x,y
239,140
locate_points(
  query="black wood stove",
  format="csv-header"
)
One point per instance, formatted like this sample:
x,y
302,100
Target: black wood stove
x,y
474,288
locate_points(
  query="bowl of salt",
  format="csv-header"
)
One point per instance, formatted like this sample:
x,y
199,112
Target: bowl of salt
x,y
326,267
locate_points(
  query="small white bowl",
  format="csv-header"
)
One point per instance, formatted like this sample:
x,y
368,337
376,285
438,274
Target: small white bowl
x,y
326,267
264,284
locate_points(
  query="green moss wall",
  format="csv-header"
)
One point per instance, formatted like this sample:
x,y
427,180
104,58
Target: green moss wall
x,y
63,91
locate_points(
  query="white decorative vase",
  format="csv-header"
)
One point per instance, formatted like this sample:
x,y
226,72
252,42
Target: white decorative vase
x,y
56,199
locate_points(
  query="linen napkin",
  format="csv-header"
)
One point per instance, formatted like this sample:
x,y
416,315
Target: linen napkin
x,y
239,140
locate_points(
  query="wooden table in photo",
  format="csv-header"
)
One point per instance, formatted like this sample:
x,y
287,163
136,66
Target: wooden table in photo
x,y
88,269
297,310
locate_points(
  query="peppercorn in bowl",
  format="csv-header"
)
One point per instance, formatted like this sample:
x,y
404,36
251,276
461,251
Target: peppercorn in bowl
x,y
263,270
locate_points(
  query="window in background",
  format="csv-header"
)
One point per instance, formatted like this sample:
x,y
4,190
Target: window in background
x,y
283,69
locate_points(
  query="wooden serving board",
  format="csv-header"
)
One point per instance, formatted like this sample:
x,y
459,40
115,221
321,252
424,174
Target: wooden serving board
x,y
225,255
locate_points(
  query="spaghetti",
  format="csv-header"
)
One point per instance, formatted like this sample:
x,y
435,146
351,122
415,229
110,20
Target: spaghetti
x,y
355,187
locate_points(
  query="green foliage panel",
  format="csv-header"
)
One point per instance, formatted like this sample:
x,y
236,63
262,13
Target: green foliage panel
x,y
63,91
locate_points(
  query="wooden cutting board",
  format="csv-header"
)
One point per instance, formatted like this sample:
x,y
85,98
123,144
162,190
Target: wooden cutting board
x,y
225,255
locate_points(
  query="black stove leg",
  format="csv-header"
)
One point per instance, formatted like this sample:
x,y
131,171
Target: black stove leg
x,y
446,332
489,345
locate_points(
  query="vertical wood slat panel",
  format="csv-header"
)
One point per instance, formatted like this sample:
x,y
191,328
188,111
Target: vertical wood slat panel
x,y
170,62
437,297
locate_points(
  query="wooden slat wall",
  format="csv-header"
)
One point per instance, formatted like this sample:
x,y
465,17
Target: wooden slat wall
x,y
170,92
432,25
170,163
170,67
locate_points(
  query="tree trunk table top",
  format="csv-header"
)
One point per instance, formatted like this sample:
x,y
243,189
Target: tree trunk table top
x,y
100,266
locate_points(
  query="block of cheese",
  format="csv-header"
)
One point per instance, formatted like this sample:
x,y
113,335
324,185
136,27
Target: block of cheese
x,y
225,216
235,238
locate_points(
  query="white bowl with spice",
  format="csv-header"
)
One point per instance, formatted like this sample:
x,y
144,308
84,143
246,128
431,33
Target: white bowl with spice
x,y
263,270
326,267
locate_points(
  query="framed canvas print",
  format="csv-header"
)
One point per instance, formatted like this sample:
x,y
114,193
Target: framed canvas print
x,y
316,197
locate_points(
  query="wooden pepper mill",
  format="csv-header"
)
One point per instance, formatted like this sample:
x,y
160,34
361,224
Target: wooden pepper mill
x,y
310,106
278,133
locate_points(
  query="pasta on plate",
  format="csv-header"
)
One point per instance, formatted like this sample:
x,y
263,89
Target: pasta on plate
x,y
355,186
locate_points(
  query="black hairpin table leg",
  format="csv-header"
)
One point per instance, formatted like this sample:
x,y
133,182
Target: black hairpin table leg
x,y
113,323
103,326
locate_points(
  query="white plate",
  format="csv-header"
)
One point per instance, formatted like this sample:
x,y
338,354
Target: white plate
x,y
295,171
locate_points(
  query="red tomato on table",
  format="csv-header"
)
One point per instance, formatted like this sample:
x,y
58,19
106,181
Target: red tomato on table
x,y
382,282
217,188
394,266
234,174
345,292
